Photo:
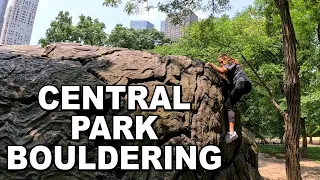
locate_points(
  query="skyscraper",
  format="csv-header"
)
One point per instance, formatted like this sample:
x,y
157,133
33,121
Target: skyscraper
x,y
172,31
3,7
18,22
141,25
162,26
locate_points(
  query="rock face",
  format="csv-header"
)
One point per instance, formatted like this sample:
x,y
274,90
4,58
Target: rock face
x,y
24,70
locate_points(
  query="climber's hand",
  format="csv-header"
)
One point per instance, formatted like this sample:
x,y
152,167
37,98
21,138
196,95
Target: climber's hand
x,y
210,64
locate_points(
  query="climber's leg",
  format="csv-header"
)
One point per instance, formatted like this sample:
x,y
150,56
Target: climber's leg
x,y
233,98
231,135
238,91
232,119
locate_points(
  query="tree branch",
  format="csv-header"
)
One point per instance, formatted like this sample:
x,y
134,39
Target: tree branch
x,y
273,56
273,101
318,31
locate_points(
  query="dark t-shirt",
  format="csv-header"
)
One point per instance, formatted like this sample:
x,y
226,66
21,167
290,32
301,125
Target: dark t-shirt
x,y
235,74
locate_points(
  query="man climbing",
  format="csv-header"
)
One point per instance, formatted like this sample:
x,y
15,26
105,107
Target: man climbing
x,y
231,69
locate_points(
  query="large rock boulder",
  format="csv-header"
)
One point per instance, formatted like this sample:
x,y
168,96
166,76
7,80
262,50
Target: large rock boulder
x,y
24,70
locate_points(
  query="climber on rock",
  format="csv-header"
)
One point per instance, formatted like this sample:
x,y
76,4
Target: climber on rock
x,y
231,69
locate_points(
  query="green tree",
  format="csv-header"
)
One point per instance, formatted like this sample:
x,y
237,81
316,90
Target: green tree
x,y
314,7
87,31
91,31
306,29
60,30
148,38
292,92
121,37
135,39
304,18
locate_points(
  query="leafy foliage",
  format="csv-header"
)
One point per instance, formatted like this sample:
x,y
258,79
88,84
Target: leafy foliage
x,y
175,9
90,31
135,39
87,31
60,30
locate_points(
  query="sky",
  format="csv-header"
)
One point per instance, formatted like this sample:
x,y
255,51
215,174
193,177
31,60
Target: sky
x,y
49,9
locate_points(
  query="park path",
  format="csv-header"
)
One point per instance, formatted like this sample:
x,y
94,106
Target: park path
x,y
274,169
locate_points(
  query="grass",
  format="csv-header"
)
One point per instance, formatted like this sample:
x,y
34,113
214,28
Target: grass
x,y
278,151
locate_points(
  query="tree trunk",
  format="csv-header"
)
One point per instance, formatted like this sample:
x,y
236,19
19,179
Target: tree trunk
x,y
304,138
292,93
310,140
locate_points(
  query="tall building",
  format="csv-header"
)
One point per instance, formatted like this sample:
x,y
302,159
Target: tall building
x,y
141,25
18,22
162,26
174,32
3,7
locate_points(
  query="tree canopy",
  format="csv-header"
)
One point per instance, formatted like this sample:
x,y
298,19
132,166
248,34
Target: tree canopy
x,y
135,39
175,9
60,30
90,31
87,31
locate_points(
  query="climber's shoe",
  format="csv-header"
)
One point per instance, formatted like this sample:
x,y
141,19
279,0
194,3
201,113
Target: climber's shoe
x,y
231,137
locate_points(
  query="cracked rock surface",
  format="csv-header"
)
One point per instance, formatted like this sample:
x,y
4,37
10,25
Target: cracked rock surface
x,y
24,70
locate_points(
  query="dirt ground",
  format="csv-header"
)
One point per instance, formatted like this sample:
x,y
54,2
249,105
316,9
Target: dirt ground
x,y
274,169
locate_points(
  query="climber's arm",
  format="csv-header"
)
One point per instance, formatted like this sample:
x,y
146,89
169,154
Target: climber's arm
x,y
221,70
